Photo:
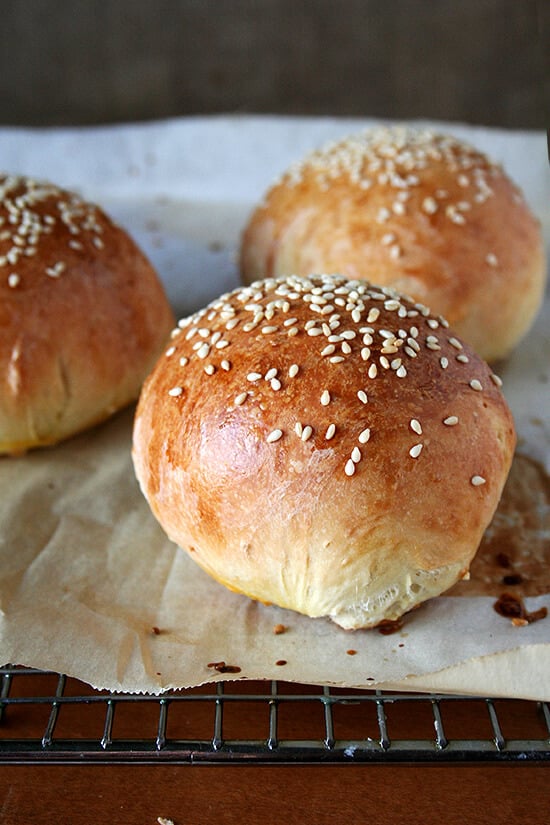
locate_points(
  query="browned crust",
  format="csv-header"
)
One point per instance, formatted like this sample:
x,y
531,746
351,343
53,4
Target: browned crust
x,y
277,516
83,315
438,221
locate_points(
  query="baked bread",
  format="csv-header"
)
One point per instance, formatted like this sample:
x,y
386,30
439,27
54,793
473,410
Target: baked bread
x,y
83,316
418,211
323,445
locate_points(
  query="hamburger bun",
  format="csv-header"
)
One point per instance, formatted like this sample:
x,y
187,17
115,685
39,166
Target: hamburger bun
x,y
421,212
324,445
83,315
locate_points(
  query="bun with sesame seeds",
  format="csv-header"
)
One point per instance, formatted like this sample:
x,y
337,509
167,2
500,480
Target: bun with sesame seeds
x,y
83,315
324,445
418,211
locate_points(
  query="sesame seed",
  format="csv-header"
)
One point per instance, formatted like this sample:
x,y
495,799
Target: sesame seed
x,y
13,279
210,369
325,398
373,315
273,436
268,330
462,358
476,385
184,361
307,432
55,270
336,359
477,481
170,351
270,374
362,396
388,238
415,426
293,370
373,371
225,365
365,353
444,362
175,391
491,259
496,380
356,455
203,351
395,252
328,350
401,372
253,376
241,398
451,420
331,429
429,206
454,215
364,436
356,315
454,342
275,384
298,429
349,469
415,451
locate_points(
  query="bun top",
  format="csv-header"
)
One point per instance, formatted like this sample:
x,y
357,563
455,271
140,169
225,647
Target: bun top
x,y
416,210
324,444
83,315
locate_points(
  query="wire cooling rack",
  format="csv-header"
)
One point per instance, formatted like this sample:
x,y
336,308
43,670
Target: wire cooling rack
x,y
47,718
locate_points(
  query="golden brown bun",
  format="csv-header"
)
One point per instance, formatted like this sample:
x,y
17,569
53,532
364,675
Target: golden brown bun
x,y
418,211
83,315
323,445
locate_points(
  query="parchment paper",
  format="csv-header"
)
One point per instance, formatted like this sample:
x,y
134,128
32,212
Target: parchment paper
x,y
89,585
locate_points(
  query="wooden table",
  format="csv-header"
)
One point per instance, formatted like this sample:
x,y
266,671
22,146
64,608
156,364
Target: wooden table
x,y
200,794
273,795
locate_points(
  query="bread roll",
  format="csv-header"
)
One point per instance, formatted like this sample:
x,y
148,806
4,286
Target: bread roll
x,y
418,211
83,315
323,445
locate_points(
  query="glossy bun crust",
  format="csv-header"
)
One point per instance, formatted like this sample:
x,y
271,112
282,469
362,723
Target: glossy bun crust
x,y
323,445
83,316
421,212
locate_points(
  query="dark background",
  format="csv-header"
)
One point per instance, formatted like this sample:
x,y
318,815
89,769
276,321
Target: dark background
x,y
97,61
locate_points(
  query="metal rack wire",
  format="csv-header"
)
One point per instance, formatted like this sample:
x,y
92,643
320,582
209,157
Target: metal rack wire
x,y
47,718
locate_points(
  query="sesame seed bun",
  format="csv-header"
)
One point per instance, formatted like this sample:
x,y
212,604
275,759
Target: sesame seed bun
x,y
83,316
324,445
421,212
